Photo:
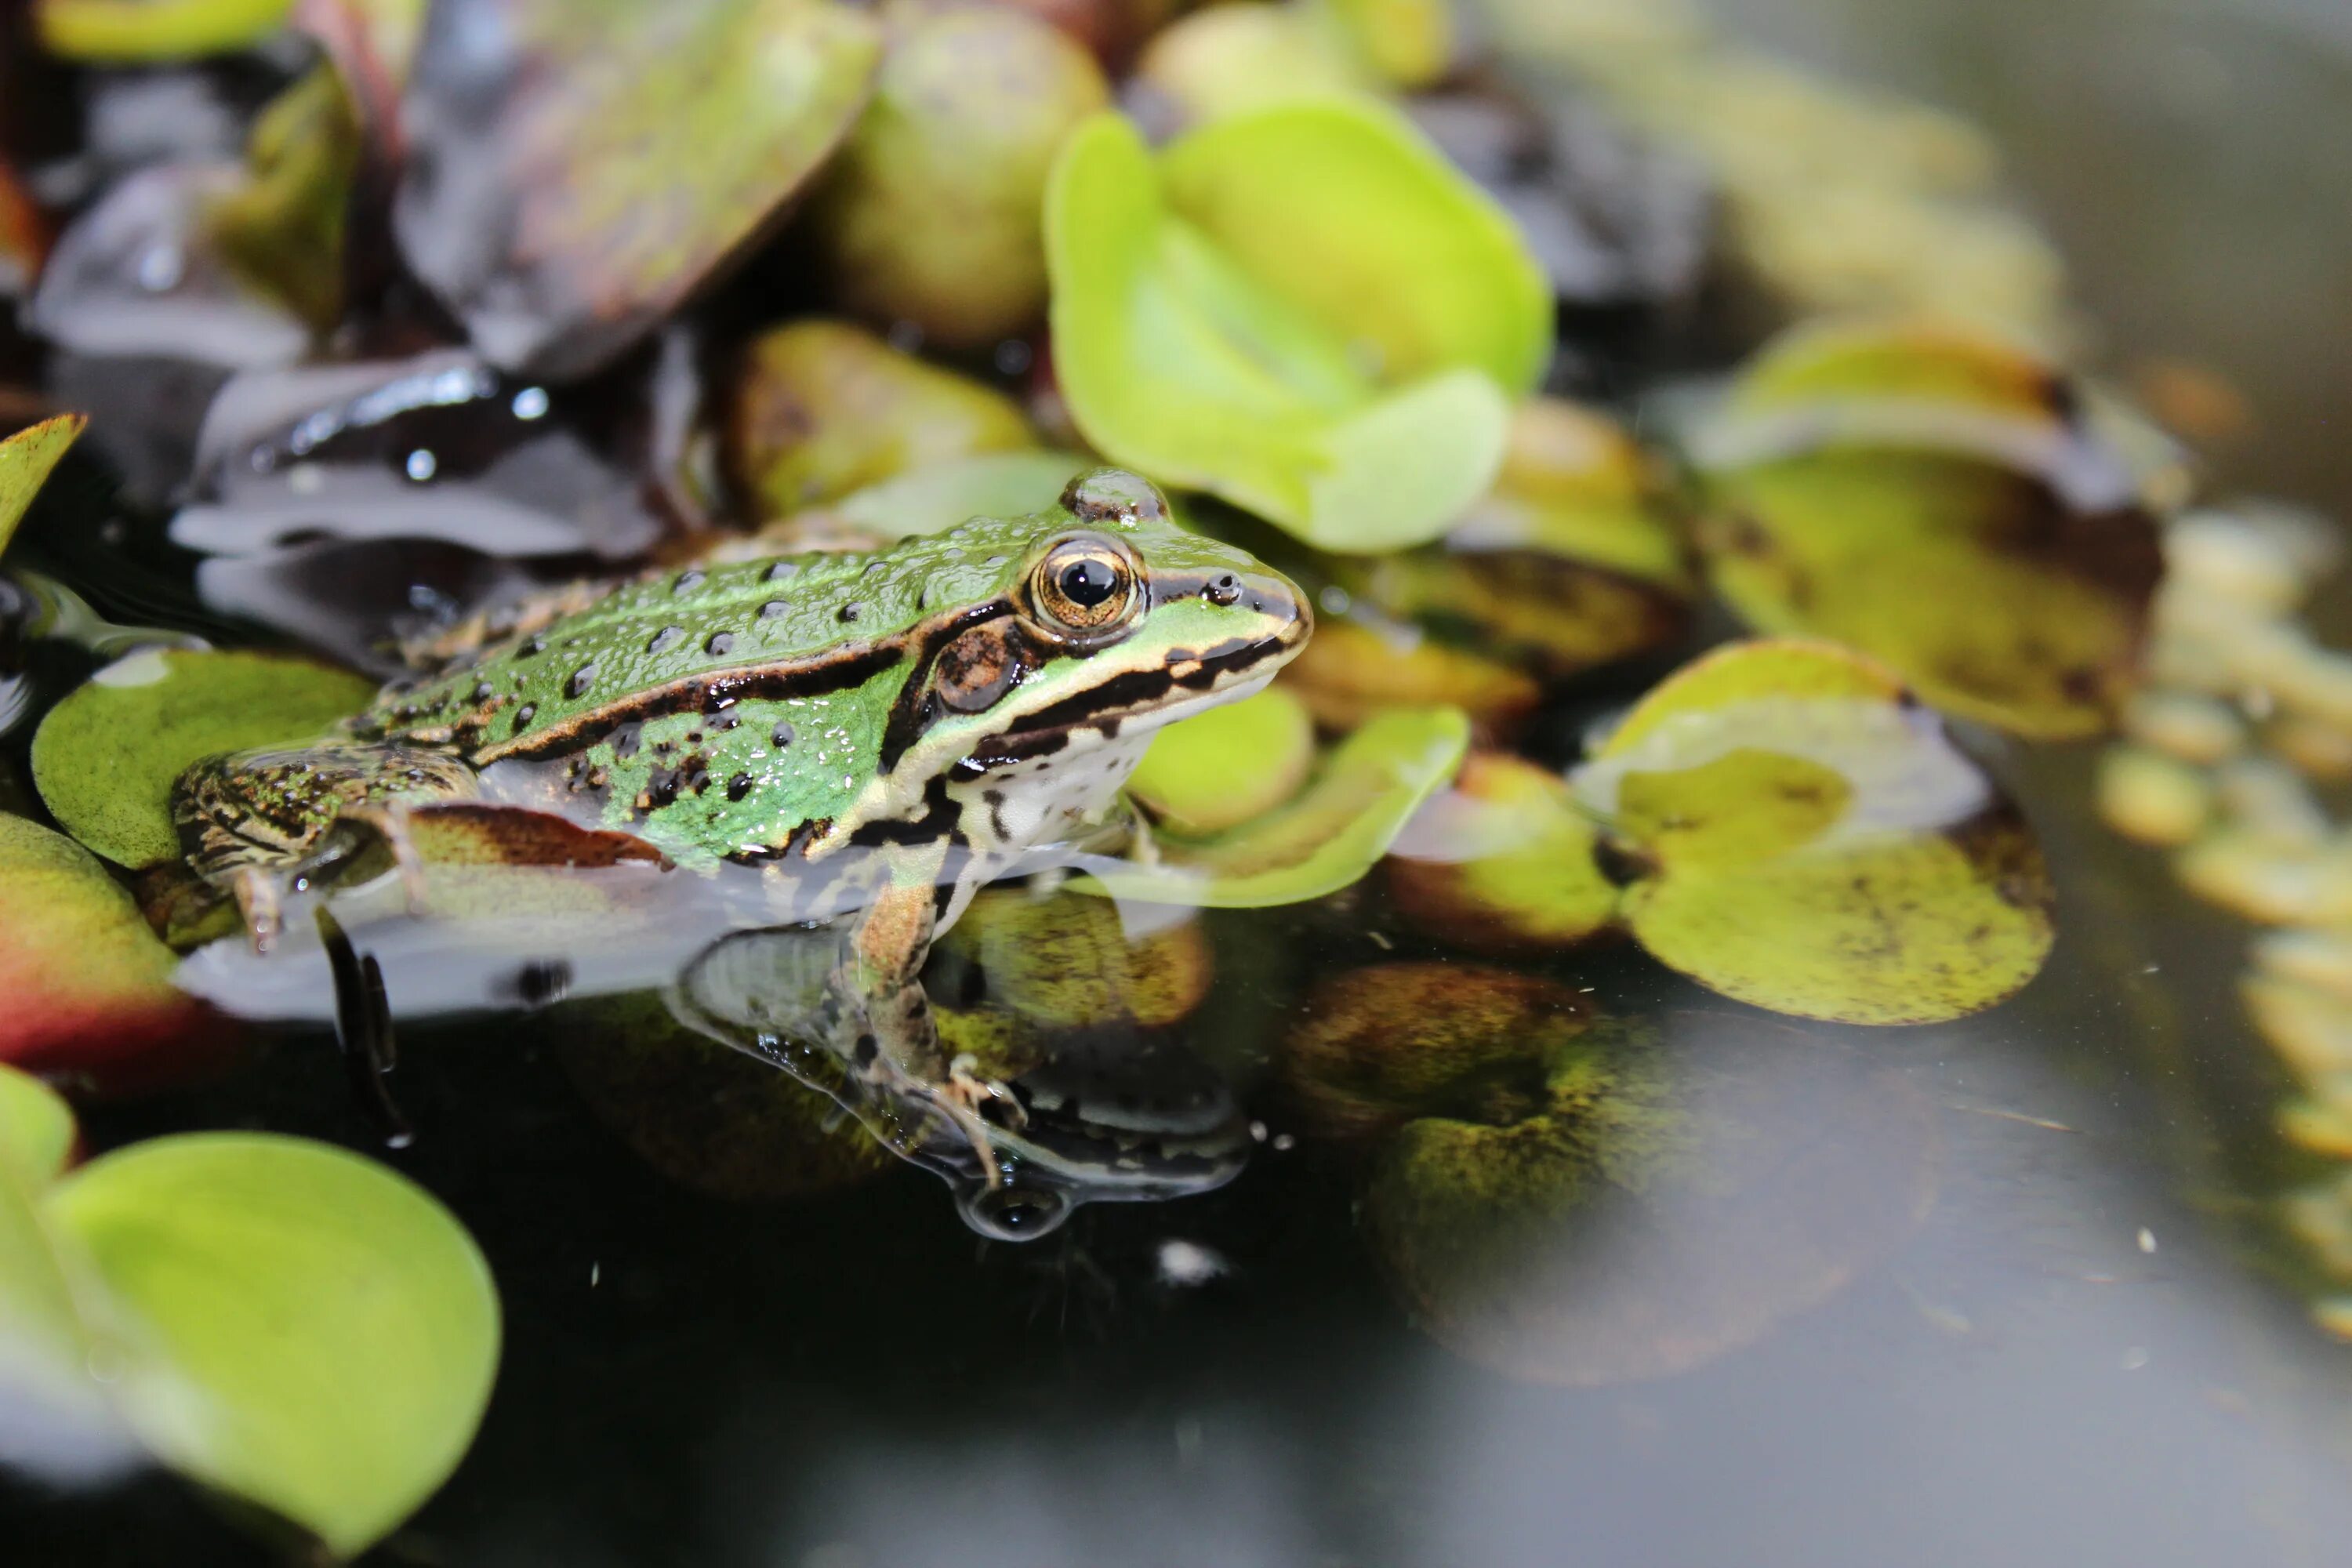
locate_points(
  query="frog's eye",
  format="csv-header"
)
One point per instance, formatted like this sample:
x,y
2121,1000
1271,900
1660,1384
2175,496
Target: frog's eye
x,y
1083,586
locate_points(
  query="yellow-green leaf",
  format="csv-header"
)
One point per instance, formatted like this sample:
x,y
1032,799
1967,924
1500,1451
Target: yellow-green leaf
x,y
1215,772
26,459
291,1323
130,31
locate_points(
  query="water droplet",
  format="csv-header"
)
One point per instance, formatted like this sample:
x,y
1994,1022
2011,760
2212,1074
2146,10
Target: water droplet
x,y
531,403
773,609
582,680
664,639
689,581
721,645
852,610
423,464
783,736
524,715
161,268
739,786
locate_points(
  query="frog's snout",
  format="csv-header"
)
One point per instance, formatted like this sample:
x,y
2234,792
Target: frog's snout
x,y
1273,600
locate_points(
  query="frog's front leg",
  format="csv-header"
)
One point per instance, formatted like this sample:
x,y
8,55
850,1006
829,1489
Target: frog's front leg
x,y
899,1041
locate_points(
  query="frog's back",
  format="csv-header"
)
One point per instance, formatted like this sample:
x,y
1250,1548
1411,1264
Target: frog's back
x,y
799,625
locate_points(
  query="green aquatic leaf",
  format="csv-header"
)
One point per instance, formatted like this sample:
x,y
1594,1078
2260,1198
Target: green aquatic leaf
x,y
1205,774
105,758
89,987
1303,309
575,171
938,496
282,229
286,1322
124,32
1503,862
37,1130
1805,838
929,215
1935,499
26,459
823,408
1324,839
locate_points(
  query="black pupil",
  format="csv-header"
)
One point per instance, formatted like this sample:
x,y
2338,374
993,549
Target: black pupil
x,y
1089,582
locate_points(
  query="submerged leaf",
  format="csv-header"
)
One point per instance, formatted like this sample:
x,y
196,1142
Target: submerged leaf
x,y
930,215
1504,861
1303,309
575,171
26,459
105,758
288,1323
1933,500
822,408
90,990
1807,839
1325,839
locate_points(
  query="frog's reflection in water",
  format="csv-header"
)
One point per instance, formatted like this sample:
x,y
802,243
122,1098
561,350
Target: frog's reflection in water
x,y
1081,1100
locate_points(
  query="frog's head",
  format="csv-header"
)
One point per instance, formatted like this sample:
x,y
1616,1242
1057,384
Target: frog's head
x,y
1109,621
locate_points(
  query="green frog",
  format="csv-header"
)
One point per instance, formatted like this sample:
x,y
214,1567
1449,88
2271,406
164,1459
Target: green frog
x,y
880,733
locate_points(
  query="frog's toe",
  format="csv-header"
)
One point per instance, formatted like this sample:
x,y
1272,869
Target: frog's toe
x,y
260,903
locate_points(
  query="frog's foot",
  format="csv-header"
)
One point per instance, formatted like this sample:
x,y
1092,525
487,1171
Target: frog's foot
x,y
260,903
973,1091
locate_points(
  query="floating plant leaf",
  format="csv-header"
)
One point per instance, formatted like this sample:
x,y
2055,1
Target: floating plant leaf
x,y
1353,669
1063,963
1505,861
1232,59
1325,839
1569,562
283,229
822,408
1215,772
90,990
37,1130
937,496
1303,309
1807,839
286,1322
929,215
105,758
26,459
576,171
1931,499
122,32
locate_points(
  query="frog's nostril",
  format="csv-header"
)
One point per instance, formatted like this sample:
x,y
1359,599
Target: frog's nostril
x,y
1222,590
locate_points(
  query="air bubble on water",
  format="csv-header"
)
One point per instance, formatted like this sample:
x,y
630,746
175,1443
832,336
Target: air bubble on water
x,y
531,403
423,464
161,268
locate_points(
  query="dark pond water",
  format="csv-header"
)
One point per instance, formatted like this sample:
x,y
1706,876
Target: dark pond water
x,y
1995,1291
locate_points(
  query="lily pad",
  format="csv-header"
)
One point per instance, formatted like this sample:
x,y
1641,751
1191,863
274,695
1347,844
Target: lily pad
x,y
575,171
122,32
1934,500
37,1130
1324,839
286,1322
968,108
89,989
26,459
1353,669
1303,309
822,408
1217,771
105,758
1801,835
1503,862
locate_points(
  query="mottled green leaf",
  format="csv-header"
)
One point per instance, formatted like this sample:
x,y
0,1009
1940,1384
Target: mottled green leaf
x,y
89,987
1303,309
1321,841
288,1323
1933,499
105,758
130,31
822,408
283,229
576,170
26,459
1206,774
1808,840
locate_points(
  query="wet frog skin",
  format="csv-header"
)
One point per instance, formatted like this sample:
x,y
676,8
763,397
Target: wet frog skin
x,y
882,733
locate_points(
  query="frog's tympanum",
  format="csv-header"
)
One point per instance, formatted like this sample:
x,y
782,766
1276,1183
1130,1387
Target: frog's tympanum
x,y
880,734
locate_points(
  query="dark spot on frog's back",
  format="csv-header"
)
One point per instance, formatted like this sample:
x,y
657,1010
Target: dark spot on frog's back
x,y
582,678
